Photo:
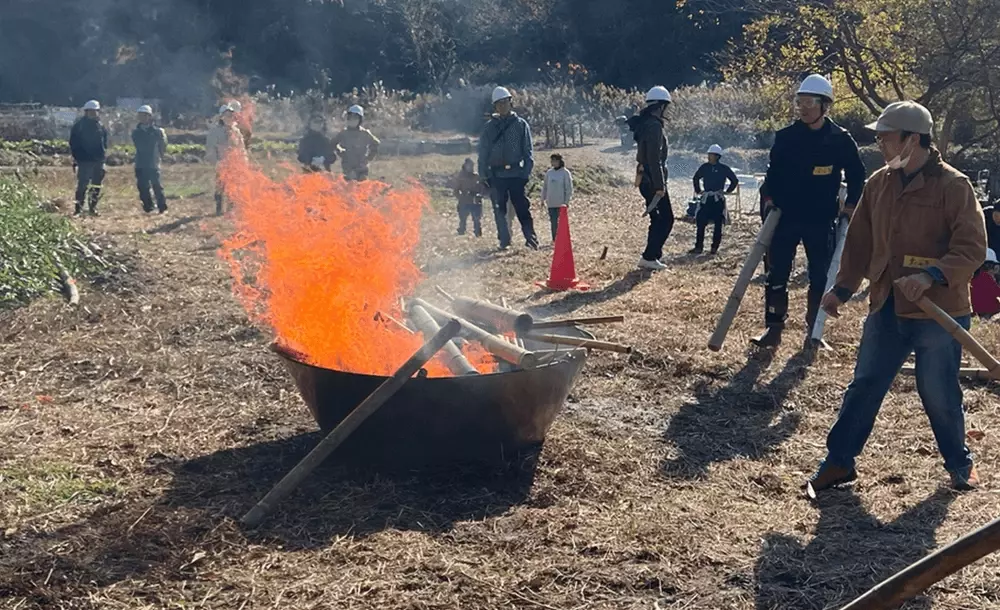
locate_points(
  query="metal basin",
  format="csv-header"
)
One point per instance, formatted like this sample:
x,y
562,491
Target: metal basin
x,y
496,418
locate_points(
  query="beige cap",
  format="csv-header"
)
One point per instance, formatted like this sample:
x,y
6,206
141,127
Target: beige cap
x,y
904,116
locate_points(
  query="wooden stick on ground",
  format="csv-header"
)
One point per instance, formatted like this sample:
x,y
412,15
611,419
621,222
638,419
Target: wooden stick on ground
x,y
580,342
69,285
493,344
350,423
442,292
578,321
966,372
961,335
895,590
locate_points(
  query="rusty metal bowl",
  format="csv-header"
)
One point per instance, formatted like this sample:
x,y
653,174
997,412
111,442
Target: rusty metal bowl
x,y
494,419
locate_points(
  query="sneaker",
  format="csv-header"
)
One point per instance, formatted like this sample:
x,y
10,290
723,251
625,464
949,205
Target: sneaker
x,y
715,250
533,245
696,250
651,265
829,476
94,212
78,212
965,479
770,339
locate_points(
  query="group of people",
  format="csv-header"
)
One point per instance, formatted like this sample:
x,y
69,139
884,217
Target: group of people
x,y
356,146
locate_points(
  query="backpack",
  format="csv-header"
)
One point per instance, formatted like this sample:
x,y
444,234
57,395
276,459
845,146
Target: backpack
x,y
635,123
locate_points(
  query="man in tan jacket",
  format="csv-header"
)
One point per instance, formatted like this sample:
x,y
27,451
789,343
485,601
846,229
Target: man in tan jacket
x,y
917,232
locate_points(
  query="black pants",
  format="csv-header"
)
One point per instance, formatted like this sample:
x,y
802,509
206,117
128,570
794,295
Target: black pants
x,y
146,178
818,239
89,177
712,211
502,190
661,222
554,221
470,209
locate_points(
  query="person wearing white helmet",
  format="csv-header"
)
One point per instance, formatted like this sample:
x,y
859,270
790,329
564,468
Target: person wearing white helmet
x,y
316,150
710,183
506,159
223,140
242,122
917,233
88,143
649,131
357,146
150,144
809,160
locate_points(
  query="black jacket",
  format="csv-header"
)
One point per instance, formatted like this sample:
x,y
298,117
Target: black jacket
x,y
651,137
88,140
806,170
714,178
316,144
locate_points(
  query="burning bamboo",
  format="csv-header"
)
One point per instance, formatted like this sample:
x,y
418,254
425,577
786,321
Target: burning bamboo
x,y
577,322
493,344
384,317
453,358
580,342
502,320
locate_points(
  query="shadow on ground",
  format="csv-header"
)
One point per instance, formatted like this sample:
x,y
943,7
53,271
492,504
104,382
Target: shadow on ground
x,y
850,552
738,420
576,300
197,516
174,225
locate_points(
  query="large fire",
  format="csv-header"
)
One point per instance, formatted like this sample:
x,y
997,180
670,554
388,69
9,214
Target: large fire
x,y
317,259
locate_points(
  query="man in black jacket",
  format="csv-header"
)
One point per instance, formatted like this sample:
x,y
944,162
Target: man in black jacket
x,y
150,145
88,142
803,179
709,182
649,127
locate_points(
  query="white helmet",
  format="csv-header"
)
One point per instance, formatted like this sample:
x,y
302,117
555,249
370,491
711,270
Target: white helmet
x,y
814,84
358,110
991,255
236,106
92,105
145,109
658,94
501,93
715,149
223,109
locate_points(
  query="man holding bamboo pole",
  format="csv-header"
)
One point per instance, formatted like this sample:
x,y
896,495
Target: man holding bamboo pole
x,y
917,232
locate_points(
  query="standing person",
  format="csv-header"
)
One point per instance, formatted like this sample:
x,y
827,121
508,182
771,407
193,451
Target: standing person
x,y
709,182
984,290
506,158
557,190
88,143
150,145
357,146
468,189
917,232
223,138
803,180
649,129
992,217
316,150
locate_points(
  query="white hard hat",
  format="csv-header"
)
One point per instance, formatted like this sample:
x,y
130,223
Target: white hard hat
x,y
223,109
145,109
991,255
815,84
715,149
358,110
236,106
501,93
92,105
658,94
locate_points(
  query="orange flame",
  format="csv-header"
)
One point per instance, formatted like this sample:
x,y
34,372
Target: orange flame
x,y
317,259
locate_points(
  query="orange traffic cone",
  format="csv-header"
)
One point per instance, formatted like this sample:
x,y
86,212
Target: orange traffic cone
x,y
562,276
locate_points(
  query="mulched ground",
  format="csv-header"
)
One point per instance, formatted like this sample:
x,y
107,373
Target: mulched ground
x,y
139,427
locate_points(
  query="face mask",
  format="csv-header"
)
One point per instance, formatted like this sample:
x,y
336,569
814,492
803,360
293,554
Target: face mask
x,y
899,162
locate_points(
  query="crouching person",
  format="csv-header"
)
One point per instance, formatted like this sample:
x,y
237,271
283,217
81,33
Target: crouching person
x,y
917,232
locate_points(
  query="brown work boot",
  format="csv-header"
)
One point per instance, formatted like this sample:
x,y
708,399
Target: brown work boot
x,y
965,479
829,476
771,338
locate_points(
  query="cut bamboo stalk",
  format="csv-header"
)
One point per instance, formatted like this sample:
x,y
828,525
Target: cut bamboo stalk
x,y
961,335
965,372
493,344
577,322
517,338
379,316
350,423
831,278
71,292
442,292
502,320
743,281
892,592
580,342
453,358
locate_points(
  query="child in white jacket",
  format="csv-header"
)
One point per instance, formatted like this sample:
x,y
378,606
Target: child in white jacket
x,y
557,190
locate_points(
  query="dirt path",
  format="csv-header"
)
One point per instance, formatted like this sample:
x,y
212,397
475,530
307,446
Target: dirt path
x,y
137,428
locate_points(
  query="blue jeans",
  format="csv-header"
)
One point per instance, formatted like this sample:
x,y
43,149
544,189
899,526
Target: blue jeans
x,y
886,343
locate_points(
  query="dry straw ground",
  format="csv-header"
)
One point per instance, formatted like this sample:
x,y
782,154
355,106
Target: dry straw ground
x,y
137,428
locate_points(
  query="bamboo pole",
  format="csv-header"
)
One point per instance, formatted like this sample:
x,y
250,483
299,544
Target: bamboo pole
x,y
442,292
349,424
70,290
831,278
892,592
746,274
493,344
454,360
961,335
966,372
577,321
502,320
580,342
